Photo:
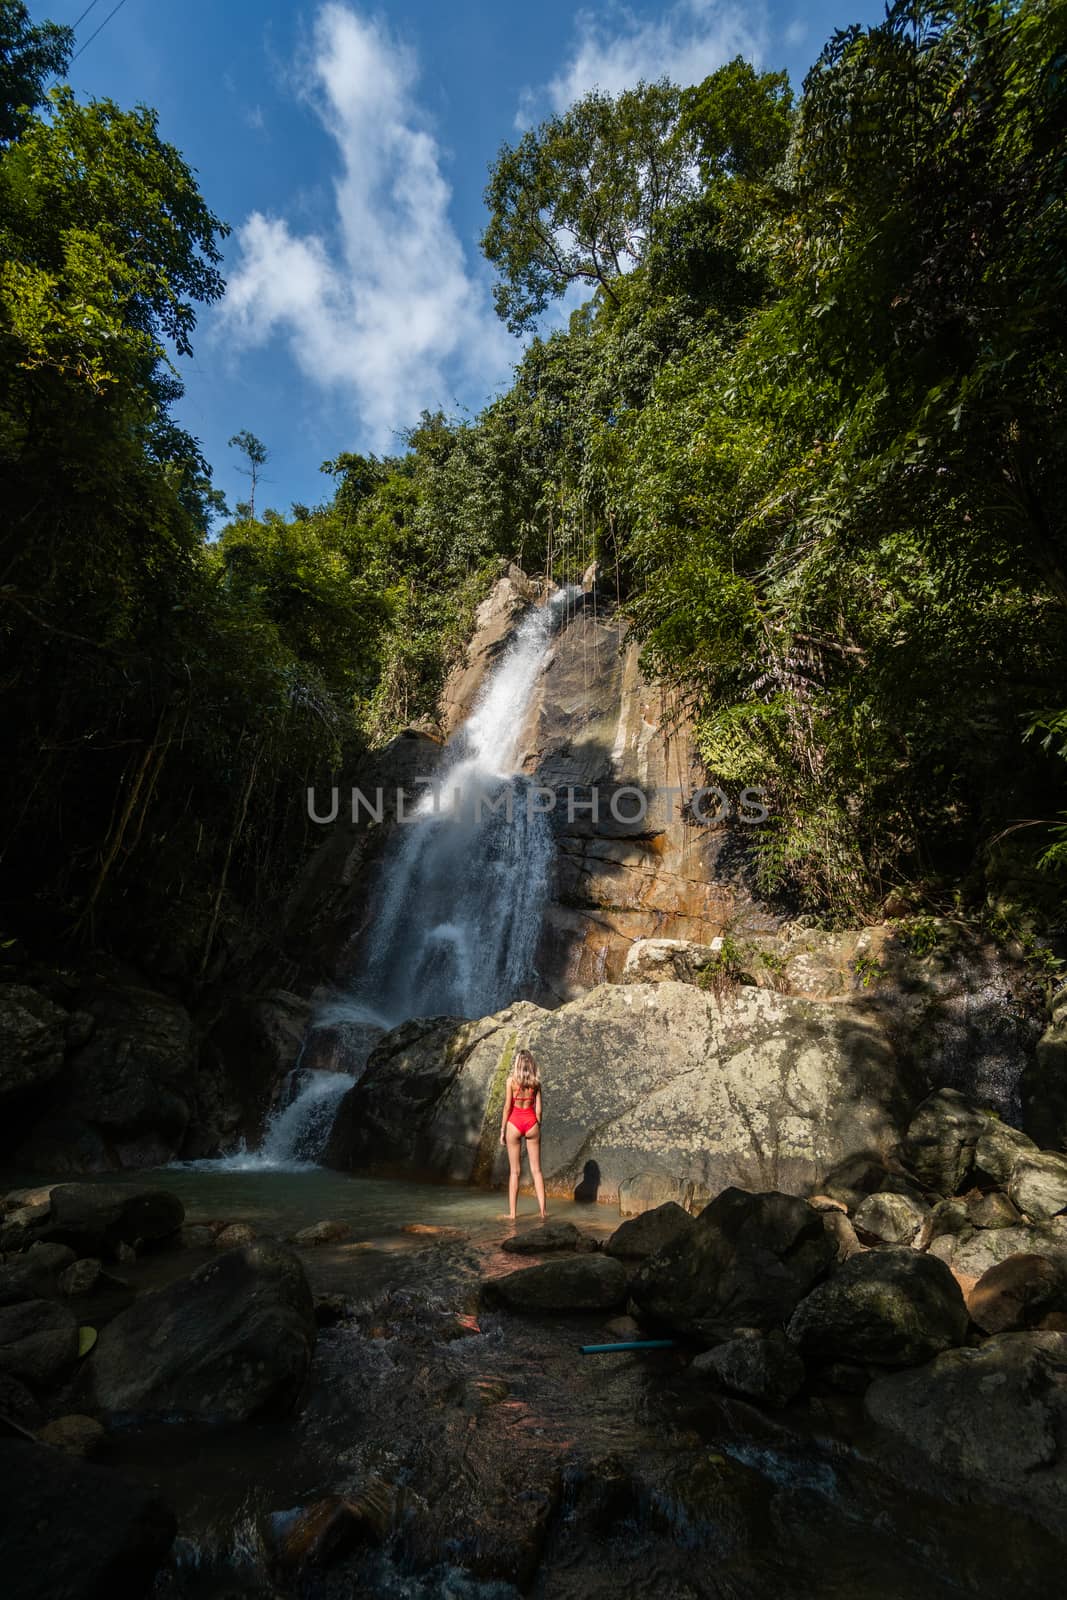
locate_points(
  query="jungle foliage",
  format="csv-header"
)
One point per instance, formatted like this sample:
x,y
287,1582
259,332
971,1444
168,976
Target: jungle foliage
x,y
810,422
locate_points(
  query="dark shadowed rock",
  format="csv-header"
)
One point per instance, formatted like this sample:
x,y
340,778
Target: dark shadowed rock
x,y
1017,1293
852,1179
66,1145
996,1415
651,1231
893,1307
18,1403
95,1217
573,1283
551,1236
38,1342
765,1369
73,1531
1038,1184
1043,1084
941,1138
841,1234
32,1039
230,1342
34,1275
75,1435
890,1218
746,1262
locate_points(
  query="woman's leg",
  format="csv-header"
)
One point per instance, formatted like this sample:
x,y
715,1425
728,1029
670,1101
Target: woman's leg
x,y
514,1138
533,1155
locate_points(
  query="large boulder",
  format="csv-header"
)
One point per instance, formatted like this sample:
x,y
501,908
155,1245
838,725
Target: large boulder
x,y
34,1275
572,1283
765,1369
757,1089
96,1218
123,1097
890,1218
941,1138
232,1341
1038,1184
38,1342
745,1263
999,1147
995,1416
33,1033
73,1531
891,1307
1017,1293
551,1236
651,1231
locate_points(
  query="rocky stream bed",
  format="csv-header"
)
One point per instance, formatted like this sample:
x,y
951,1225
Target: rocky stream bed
x,y
866,1394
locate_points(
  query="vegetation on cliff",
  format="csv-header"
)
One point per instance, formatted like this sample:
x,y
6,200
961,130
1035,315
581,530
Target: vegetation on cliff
x,y
810,421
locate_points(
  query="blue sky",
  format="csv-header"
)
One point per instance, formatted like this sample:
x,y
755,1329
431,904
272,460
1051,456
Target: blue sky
x,y
348,146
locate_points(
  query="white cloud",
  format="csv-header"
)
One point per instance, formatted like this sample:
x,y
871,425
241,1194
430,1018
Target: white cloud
x,y
386,310
615,48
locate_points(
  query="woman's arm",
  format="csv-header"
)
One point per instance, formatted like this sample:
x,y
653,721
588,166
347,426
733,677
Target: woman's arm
x,y
509,1095
537,1108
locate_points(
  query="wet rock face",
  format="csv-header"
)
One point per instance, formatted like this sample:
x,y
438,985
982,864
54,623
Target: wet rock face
x,y
76,1530
231,1342
892,1307
745,1263
761,1090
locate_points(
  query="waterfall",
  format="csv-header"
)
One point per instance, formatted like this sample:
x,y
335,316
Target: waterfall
x,y
462,895
463,885
343,1034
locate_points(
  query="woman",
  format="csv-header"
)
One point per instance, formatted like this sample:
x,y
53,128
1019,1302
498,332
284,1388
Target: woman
x,y
522,1120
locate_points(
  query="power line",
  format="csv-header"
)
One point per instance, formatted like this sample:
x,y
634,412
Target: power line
x,y
101,28
74,26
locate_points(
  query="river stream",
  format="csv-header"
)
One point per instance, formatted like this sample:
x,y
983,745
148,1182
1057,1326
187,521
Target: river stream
x,y
513,1463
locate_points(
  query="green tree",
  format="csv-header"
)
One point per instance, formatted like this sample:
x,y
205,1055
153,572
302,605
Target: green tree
x,y
29,56
575,199
257,455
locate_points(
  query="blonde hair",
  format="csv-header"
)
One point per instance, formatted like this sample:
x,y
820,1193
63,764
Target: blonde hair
x,y
525,1071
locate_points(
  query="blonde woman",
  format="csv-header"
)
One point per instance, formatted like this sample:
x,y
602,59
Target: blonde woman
x,y
522,1120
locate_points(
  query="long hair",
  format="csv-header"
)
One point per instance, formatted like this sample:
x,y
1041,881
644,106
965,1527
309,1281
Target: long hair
x,y
526,1074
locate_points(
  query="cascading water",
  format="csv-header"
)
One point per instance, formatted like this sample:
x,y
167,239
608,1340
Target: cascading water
x,y
463,891
465,881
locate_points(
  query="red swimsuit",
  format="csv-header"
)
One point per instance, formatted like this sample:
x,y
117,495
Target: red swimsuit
x,y
524,1117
